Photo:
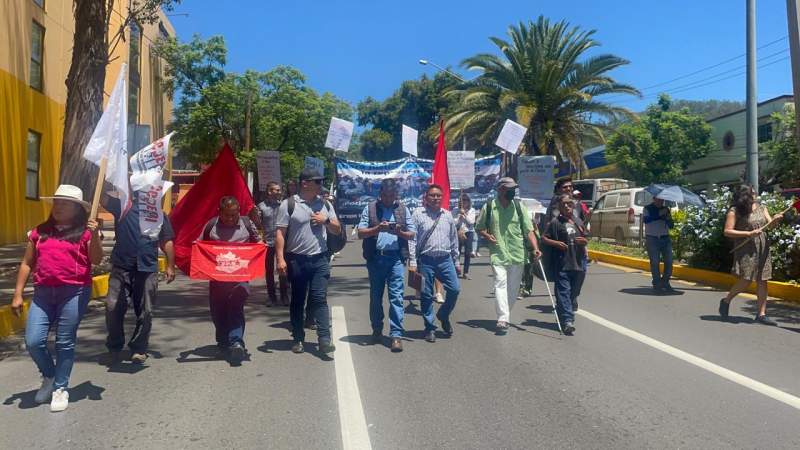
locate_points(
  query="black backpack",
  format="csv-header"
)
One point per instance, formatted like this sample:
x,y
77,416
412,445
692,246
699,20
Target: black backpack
x,y
368,245
334,242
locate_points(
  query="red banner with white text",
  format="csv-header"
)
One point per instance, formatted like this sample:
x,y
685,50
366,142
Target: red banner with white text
x,y
227,261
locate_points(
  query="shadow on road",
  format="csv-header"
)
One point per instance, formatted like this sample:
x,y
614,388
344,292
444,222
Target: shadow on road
x,y
285,345
200,354
648,292
731,319
780,312
83,391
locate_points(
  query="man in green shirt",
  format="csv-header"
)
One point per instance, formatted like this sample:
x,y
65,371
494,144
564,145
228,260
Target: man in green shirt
x,y
506,224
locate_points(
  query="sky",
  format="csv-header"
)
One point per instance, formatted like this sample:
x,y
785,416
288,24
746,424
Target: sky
x,y
356,48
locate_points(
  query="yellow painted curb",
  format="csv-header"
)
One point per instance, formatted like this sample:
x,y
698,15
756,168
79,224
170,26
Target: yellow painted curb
x,y
777,289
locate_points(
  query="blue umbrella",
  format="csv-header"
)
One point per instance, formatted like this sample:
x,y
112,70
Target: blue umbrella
x,y
676,194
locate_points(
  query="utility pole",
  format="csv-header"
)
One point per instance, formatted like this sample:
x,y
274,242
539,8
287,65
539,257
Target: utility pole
x,y
752,99
793,13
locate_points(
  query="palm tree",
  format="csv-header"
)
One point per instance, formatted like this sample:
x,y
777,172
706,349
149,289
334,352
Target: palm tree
x,y
545,81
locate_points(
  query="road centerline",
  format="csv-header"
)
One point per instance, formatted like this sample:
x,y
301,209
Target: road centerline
x,y
718,370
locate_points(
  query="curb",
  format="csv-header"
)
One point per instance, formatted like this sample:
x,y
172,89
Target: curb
x,y
10,324
784,291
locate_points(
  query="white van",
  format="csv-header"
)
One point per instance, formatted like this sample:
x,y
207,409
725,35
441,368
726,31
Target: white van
x,y
617,215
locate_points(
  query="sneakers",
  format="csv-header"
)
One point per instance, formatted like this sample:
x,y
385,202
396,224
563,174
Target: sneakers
x,y
326,346
502,327
297,347
569,328
60,400
764,320
724,307
45,392
139,358
397,345
238,353
439,298
430,336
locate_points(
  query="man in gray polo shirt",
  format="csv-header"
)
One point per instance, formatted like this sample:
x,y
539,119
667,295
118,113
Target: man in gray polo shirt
x,y
302,253
268,215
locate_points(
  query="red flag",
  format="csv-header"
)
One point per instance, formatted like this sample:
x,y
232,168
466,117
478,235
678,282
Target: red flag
x,y
796,205
228,261
223,177
440,175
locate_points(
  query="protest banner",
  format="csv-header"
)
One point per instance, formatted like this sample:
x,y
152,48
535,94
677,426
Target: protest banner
x,y
268,165
511,136
151,157
535,177
151,213
228,261
461,166
340,132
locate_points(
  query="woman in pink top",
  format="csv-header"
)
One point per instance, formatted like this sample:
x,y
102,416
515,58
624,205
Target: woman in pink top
x,y
60,255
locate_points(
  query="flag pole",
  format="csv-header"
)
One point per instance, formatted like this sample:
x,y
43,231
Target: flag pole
x,y
98,187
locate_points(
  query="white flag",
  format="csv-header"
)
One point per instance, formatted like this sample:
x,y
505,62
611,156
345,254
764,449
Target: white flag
x,y
110,140
410,137
151,215
153,156
340,133
511,136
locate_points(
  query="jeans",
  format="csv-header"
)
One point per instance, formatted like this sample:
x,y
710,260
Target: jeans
x,y
474,242
283,282
125,287
226,302
568,284
658,247
506,287
386,271
309,277
467,250
62,306
443,269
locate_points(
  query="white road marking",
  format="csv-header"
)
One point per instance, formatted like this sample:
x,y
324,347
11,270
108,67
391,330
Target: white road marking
x,y
729,375
351,414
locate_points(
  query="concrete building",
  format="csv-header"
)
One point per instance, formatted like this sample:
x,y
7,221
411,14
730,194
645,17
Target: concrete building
x,y
36,39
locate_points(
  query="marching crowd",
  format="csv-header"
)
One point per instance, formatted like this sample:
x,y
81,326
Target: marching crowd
x,y
301,230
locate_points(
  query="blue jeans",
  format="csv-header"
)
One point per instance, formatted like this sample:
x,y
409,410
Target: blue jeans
x,y
658,247
308,276
63,307
568,284
386,271
475,242
226,302
443,269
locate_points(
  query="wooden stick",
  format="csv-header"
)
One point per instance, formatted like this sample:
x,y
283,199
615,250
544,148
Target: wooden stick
x,y
98,187
770,223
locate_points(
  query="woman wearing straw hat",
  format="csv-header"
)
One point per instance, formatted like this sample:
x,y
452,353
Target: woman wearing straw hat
x,y
60,254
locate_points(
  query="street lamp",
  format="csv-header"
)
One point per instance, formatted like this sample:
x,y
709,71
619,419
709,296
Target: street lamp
x,y
425,62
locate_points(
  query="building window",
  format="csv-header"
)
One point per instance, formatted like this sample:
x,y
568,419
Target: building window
x,y
32,166
134,75
764,132
39,3
37,56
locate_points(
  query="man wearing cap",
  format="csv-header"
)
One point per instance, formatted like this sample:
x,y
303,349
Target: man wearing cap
x,y
506,224
134,277
385,228
302,253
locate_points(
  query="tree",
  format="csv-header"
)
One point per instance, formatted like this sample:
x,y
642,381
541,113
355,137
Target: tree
x,y
417,103
545,81
91,50
272,110
784,159
659,147
709,109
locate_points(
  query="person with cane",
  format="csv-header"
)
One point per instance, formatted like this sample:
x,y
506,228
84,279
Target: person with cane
x,y
567,236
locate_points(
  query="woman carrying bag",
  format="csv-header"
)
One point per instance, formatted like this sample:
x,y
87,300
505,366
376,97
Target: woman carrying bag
x,y
60,254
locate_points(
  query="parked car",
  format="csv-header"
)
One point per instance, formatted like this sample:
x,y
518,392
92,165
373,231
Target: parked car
x,y
593,189
617,215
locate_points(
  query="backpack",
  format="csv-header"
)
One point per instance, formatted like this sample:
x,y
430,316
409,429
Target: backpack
x,y
248,224
334,242
368,245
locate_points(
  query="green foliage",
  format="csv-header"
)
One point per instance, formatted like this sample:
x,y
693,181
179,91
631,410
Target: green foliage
x,y
546,81
286,115
782,150
659,147
709,109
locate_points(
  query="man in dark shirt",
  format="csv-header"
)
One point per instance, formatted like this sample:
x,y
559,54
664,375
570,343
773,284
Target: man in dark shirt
x,y
134,278
566,235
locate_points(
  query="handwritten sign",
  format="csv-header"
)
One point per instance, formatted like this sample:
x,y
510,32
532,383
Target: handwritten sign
x,y
340,132
269,168
511,136
461,169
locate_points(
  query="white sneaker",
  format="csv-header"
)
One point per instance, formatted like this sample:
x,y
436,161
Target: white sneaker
x,y
44,392
60,400
439,298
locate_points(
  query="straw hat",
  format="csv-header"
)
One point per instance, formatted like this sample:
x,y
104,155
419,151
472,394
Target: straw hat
x,y
70,193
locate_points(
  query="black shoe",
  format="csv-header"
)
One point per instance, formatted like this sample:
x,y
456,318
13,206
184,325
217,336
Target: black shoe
x,y
430,336
237,352
326,346
377,337
310,324
298,347
569,328
574,305
724,307
446,326
397,345
764,320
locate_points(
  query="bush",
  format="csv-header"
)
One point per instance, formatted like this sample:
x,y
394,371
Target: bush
x,y
707,248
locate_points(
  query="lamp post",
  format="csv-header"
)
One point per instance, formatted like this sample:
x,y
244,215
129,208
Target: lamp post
x,y
752,99
425,62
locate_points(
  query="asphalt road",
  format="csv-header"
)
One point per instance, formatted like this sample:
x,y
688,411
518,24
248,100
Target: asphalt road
x,y
602,388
